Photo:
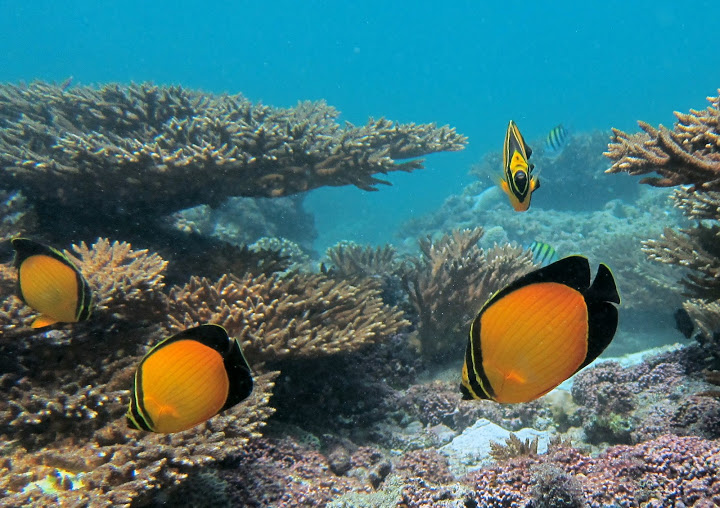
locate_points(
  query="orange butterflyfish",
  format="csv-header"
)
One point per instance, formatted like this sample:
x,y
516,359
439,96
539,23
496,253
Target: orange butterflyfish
x,y
51,284
517,180
538,331
187,379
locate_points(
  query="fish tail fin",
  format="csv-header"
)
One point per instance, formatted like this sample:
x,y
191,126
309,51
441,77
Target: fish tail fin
x,y
42,321
603,288
602,314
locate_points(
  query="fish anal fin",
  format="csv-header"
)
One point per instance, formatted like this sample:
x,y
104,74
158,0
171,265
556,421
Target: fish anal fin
x,y
42,321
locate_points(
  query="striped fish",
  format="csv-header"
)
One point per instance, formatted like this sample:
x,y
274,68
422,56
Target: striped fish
x,y
543,254
556,139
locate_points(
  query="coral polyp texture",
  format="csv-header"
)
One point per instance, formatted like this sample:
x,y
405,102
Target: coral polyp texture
x,y
299,315
689,154
163,149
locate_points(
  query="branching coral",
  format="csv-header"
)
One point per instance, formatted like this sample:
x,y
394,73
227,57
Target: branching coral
x,y
688,154
117,466
300,315
513,447
452,281
16,217
145,150
67,389
697,248
352,260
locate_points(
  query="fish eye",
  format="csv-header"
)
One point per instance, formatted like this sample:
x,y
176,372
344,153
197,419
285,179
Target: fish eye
x,y
520,179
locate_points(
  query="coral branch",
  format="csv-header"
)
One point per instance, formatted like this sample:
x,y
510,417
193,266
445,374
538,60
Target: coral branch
x,y
145,150
688,154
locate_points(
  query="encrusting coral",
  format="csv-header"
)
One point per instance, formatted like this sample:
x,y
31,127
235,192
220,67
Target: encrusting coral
x,y
452,281
688,154
147,151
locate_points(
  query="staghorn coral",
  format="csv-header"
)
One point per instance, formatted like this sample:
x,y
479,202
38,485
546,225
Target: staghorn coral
x,y
164,149
688,154
451,282
300,316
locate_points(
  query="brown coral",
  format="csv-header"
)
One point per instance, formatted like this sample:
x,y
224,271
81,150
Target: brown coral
x,y
274,317
513,447
452,281
146,151
117,466
352,260
688,154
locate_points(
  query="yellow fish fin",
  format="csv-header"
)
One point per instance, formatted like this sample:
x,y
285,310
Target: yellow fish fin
x,y
42,321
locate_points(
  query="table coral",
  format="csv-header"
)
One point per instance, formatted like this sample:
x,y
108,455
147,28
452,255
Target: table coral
x,y
146,151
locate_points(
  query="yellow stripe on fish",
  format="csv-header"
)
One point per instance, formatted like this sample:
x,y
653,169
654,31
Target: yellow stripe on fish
x,y
187,379
538,331
51,284
517,180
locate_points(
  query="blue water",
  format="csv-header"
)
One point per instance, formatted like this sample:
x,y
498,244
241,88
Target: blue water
x,y
472,65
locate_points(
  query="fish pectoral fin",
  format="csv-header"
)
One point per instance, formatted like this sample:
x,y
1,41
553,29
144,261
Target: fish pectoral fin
x,y
42,321
515,377
534,183
504,186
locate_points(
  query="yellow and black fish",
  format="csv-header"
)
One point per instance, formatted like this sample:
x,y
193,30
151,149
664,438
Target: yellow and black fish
x,y
538,331
188,378
517,180
51,284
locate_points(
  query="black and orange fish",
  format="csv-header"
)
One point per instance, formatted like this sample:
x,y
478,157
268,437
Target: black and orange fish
x,y
538,331
51,284
187,379
517,180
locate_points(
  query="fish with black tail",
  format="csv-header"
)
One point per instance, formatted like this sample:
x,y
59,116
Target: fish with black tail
x,y
187,379
51,284
517,350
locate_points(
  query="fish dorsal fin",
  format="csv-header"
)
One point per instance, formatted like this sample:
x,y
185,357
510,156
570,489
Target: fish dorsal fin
x,y
572,271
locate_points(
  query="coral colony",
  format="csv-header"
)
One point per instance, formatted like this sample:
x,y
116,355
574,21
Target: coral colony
x,y
343,411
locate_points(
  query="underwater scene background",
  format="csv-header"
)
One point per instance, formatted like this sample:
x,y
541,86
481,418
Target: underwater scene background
x,y
228,163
